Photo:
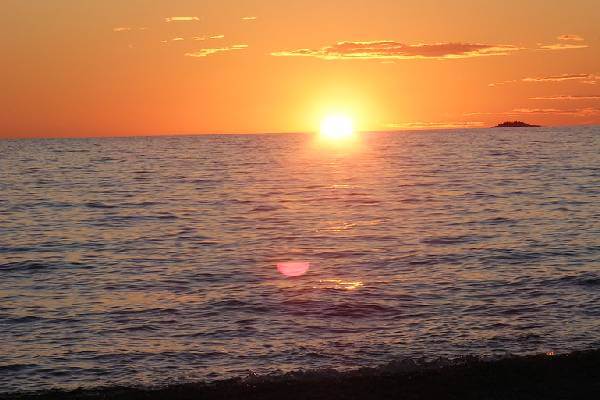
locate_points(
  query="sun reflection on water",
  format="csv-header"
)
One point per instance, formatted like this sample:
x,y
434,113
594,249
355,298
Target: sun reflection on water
x,y
340,284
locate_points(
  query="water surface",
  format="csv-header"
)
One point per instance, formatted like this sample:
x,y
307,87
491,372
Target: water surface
x,y
153,260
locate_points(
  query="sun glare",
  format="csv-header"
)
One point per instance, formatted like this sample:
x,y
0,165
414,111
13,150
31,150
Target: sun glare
x,y
337,127
293,268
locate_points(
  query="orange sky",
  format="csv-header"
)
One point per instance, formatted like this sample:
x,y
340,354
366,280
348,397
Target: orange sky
x,y
124,67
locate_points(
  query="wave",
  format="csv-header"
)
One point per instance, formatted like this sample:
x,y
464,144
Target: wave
x,y
444,240
586,279
35,266
95,204
548,376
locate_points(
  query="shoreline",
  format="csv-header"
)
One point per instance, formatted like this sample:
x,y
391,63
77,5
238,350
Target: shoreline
x,y
573,375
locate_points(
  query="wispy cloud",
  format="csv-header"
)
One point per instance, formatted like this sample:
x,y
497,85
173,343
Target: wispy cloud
x,y
563,46
181,19
578,112
583,78
199,38
216,37
435,125
394,50
592,80
208,52
567,97
567,42
129,28
178,39
553,111
503,82
541,111
574,38
249,18
558,78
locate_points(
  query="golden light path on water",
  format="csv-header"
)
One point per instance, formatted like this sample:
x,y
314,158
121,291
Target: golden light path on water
x,y
294,269
341,284
336,136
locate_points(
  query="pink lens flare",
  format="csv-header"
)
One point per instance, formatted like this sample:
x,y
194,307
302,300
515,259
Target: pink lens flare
x,y
293,268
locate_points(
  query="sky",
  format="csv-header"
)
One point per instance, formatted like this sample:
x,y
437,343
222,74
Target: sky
x,y
75,68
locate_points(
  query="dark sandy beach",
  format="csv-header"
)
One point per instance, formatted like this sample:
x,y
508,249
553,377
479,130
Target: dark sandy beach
x,y
570,376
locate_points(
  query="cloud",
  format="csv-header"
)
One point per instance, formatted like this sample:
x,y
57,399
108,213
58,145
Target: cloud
x,y
394,50
540,111
199,38
563,46
566,97
579,112
216,37
574,38
593,80
503,82
177,39
435,125
129,28
249,18
558,78
208,52
590,79
553,111
181,19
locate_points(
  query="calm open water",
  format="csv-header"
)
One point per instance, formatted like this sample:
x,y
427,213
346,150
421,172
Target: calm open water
x,y
153,260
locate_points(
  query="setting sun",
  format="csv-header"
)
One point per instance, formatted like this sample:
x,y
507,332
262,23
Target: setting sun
x,y
337,127
214,197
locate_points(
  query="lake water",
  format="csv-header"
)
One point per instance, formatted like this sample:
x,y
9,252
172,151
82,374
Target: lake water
x,y
154,260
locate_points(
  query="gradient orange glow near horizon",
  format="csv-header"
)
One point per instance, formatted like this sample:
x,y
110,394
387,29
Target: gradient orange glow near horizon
x,y
76,68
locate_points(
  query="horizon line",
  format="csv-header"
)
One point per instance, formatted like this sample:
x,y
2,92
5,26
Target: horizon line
x,y
171,134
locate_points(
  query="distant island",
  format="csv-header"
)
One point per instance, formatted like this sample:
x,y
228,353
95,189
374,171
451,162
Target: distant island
x,y
515,124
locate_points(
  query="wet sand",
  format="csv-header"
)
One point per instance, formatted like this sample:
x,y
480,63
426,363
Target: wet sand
x,y
569,376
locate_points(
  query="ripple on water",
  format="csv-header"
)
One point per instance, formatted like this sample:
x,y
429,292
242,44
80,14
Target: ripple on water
x,y
154,260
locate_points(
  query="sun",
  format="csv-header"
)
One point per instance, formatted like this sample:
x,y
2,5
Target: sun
x,y
337,127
